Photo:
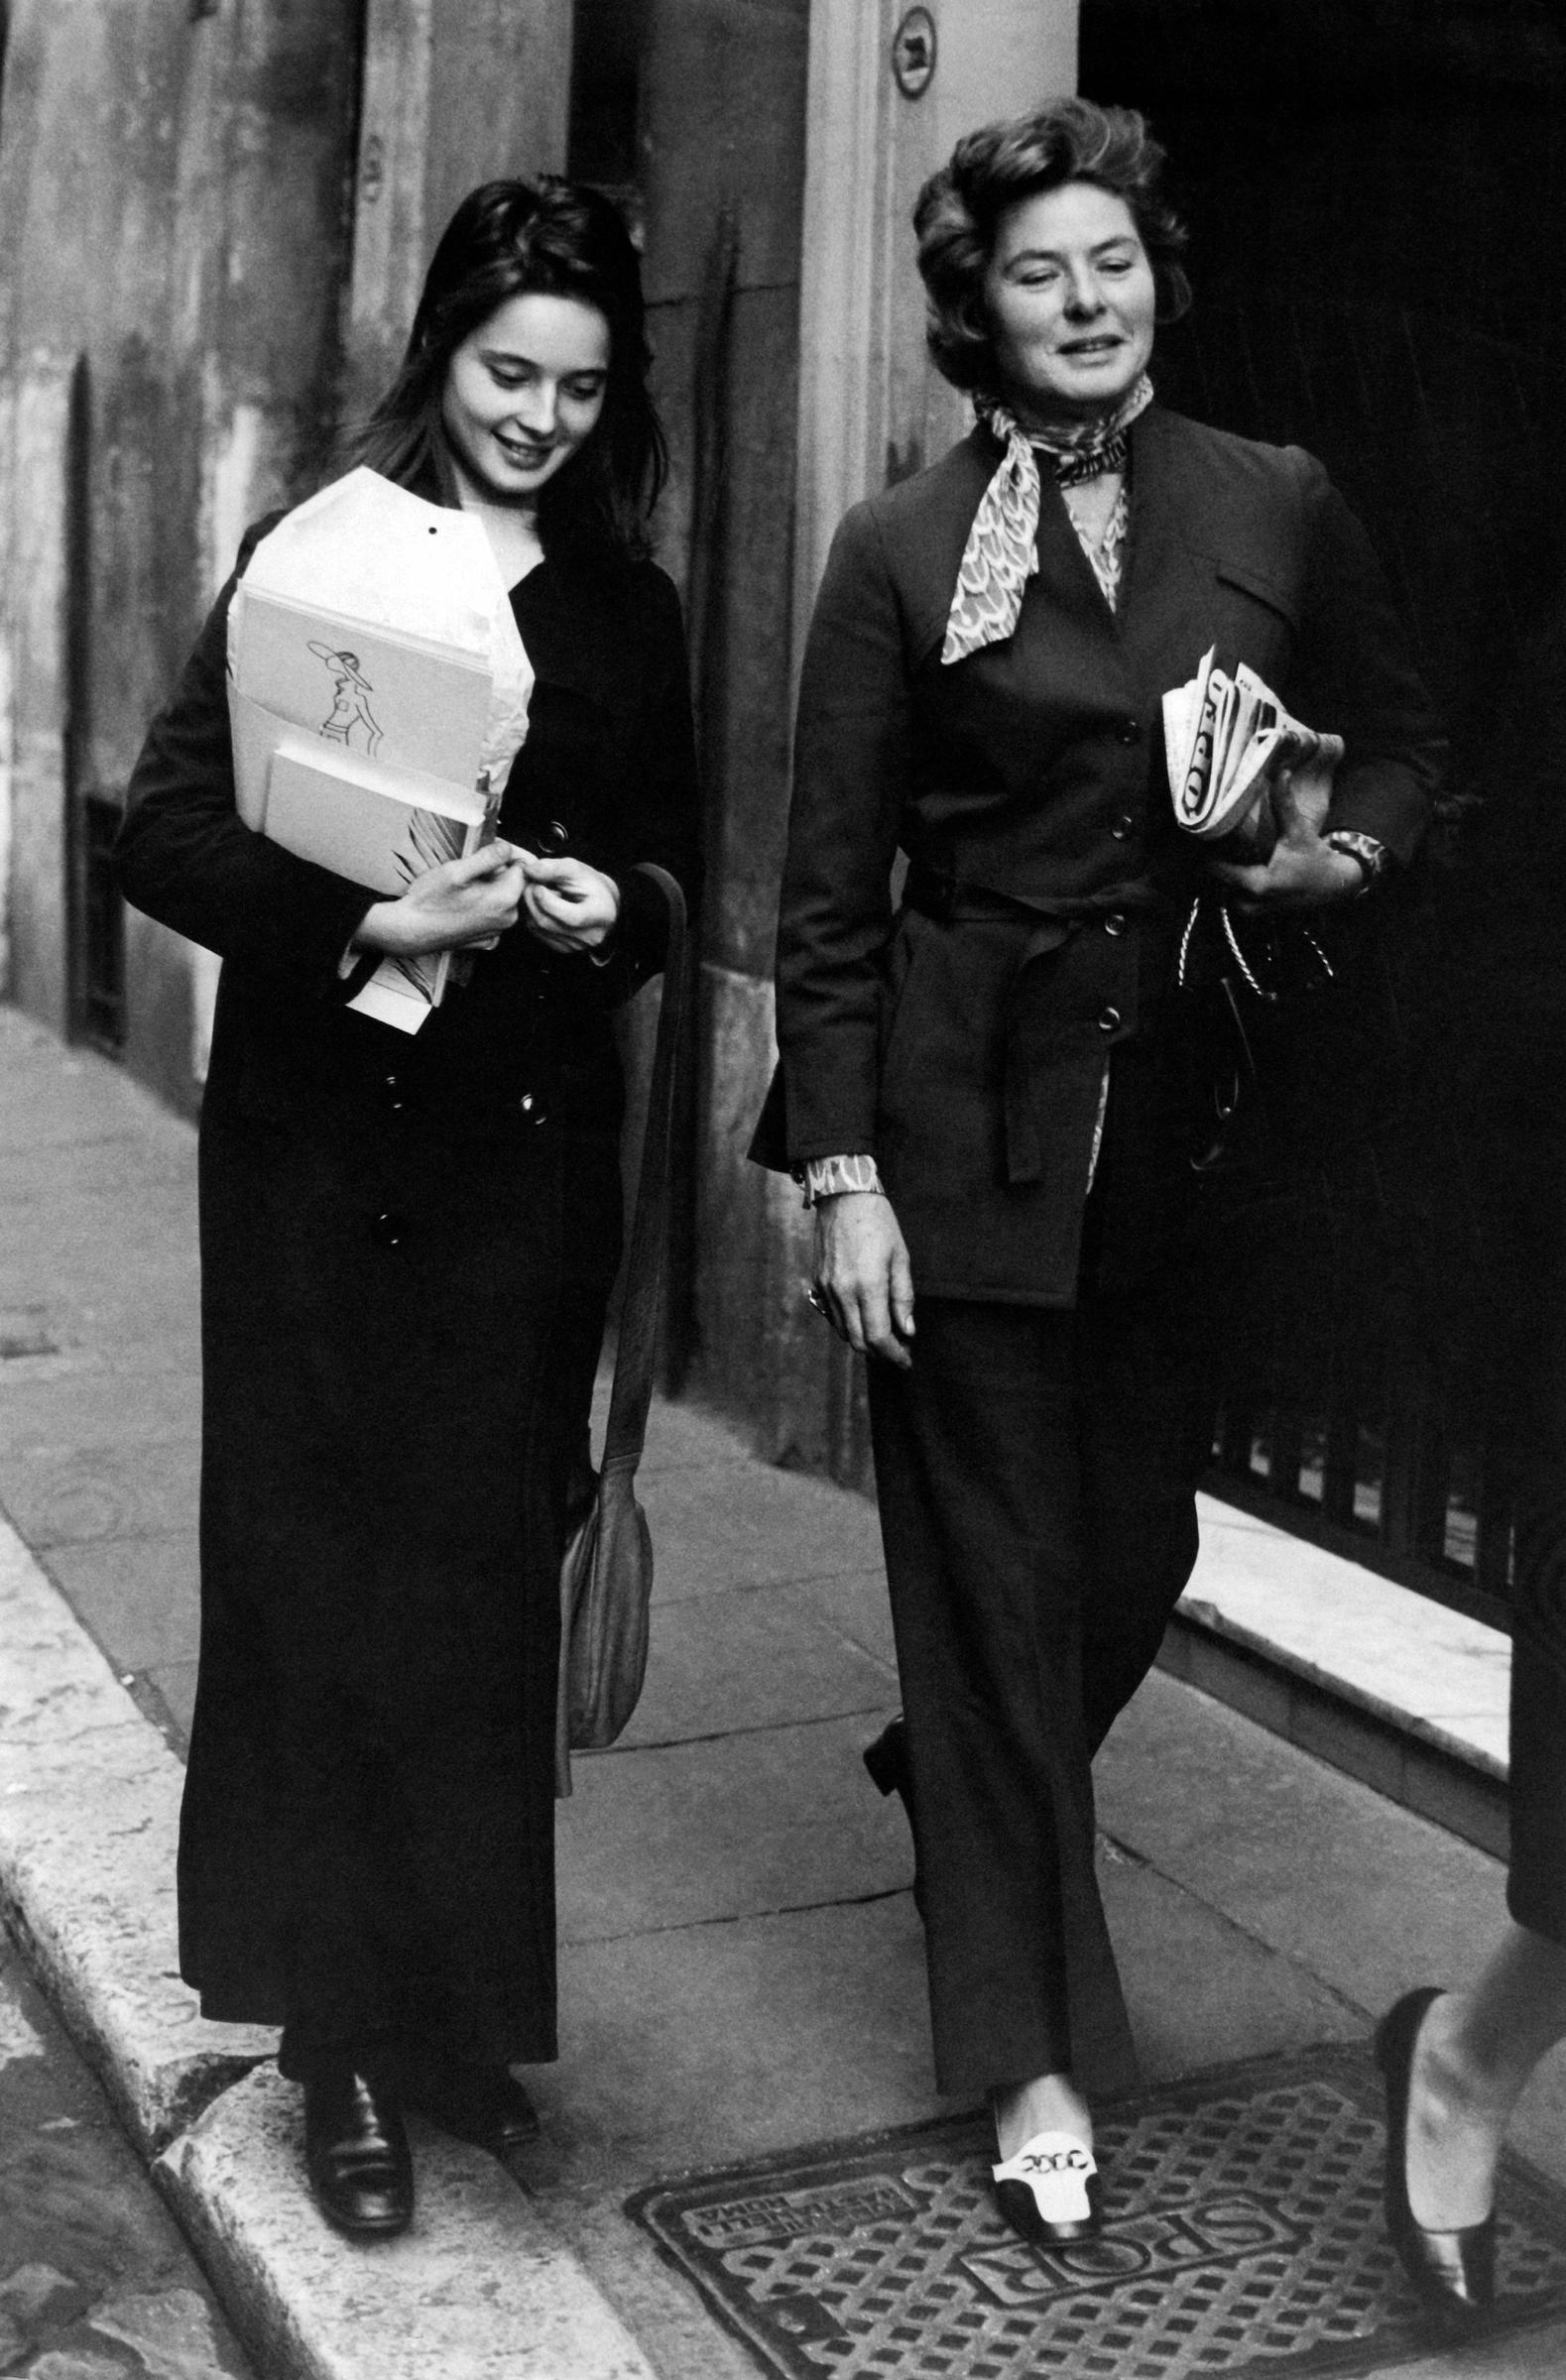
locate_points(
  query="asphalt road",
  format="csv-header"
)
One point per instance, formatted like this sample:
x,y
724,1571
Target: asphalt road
x,y
96,2282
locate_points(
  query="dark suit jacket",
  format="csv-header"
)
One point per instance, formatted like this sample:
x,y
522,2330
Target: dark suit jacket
x,y
963,1043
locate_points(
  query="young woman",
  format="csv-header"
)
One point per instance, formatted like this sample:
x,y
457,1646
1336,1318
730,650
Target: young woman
x,y
991,1095
407,1244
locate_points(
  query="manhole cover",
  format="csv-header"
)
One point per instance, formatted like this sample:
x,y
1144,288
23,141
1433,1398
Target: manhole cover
x,y
1243,2233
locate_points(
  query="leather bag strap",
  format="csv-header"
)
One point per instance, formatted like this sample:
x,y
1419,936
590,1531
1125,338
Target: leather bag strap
x,y
637,1353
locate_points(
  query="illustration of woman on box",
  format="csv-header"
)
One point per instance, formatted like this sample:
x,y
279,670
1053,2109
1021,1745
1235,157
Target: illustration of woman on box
x,y
994,1093
407,1244
350,699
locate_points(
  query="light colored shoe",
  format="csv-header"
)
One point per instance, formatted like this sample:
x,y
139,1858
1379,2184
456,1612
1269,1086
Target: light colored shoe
x,y
1049,2192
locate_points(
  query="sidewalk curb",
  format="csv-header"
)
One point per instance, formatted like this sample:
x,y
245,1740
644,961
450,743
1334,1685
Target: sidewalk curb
x,y
90,1802
480,2289
89,1793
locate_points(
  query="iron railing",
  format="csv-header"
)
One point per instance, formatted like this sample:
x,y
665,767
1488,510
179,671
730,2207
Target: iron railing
x,y
1380,1482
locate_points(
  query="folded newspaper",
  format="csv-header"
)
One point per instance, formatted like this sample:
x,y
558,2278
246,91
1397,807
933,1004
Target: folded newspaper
x,y
378,692
1222,737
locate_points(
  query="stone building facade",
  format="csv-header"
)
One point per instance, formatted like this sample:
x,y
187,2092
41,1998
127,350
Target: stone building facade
x,y
215,218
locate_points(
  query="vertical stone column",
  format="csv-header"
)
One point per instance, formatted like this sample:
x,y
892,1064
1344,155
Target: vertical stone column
x,y
454,93
36,479
8,582
388,192
870,407
720,148
891,89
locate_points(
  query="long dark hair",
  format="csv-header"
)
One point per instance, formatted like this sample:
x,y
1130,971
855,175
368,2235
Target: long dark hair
x,y
514,239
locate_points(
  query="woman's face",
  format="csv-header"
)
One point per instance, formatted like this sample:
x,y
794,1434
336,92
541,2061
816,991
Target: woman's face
x,y
524,393
1070,298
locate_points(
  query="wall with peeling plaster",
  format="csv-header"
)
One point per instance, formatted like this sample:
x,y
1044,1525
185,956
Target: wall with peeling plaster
x,y
214,220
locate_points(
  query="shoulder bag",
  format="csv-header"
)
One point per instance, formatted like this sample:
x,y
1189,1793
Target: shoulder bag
x,y
606,1573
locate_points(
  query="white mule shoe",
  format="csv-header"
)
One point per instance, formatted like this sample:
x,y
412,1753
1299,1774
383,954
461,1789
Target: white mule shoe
x,y
1049,2192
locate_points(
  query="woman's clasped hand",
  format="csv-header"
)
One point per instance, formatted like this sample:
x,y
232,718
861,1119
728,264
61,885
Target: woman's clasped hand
x,y
570,906
1303,870
468,904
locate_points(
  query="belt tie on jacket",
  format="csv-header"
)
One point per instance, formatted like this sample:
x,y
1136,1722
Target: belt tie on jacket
x,y
1029,1040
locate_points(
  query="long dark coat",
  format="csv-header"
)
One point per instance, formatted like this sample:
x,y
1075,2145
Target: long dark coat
x,y
406,1244
963,1043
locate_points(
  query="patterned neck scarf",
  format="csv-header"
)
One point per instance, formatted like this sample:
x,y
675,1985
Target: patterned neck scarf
x,y
1002,552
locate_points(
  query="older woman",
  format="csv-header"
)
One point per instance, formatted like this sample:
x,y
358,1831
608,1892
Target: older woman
x,y
990,1094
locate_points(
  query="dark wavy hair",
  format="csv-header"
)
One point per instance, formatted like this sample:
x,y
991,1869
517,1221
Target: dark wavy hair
x,y
514,239
959,209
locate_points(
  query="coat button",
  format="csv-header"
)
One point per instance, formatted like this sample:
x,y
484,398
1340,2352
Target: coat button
x,y
554,837
1115,923
389,1227
392,1089
534,1109
1122,827
1108,1020
1129,730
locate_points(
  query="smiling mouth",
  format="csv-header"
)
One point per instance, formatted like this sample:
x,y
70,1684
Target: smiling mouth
x,y
516,451
1091,347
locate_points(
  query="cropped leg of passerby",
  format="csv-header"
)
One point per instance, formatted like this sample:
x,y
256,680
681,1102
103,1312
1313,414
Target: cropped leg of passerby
x,y
1457,2062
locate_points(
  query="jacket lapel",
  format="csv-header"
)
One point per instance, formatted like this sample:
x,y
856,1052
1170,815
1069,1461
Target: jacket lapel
x,y
1166,582
952,493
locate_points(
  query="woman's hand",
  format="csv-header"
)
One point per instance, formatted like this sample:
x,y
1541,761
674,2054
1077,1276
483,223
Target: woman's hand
x,y
570,906
862,1277
463,904
1301,871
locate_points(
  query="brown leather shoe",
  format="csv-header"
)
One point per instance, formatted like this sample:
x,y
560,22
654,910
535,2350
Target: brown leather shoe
x,y
484,2104
356,2151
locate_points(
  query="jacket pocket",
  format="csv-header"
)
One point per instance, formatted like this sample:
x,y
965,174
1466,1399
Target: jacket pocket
x,y
1261,587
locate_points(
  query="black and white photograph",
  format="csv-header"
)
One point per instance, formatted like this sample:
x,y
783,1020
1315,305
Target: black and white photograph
x,y
782,1189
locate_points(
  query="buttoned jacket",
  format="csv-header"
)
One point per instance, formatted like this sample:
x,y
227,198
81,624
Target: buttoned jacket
x,y
962,1037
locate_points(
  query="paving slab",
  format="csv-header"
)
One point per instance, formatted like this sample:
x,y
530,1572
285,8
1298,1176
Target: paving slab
x,y
765,1528
1367,1894
167,1695
74,1494
736,1826
682,1437
855,1603
713,1671
142,1594
52,1405
696,2044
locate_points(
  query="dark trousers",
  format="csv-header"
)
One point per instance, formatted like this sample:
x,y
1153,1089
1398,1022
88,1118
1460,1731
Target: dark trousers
x,y
1036,1474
